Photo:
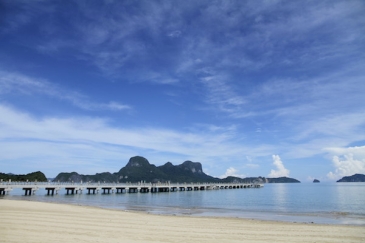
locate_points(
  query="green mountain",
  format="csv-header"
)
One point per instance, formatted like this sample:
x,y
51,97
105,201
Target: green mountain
x,y
139,169
353,178
34,176
186,172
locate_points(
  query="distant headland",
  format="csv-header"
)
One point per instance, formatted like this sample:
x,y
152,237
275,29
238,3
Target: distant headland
x,y
353,178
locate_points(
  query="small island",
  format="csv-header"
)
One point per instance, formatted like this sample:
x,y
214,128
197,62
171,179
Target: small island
x,y
316,181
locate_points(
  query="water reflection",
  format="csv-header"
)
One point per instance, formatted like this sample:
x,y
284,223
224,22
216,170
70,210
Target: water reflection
x,y
350,197
280,197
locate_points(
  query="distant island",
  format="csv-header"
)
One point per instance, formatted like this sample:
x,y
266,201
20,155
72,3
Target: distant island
x,y
139,169
353,178
34,176
316,181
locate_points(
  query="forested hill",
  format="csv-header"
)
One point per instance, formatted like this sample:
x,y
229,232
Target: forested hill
x,y
35,176
139,169
353,178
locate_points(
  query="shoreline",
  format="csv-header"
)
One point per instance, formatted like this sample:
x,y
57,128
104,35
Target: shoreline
x,y
324,218
32,221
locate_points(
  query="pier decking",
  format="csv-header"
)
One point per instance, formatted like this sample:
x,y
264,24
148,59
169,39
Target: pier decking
x,y
106,188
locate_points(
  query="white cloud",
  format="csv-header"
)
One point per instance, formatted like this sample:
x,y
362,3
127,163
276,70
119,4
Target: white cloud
x,y
19,83
280,169
232,172
346,165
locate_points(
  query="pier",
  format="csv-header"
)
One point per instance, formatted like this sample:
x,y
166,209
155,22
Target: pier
x,y
52,188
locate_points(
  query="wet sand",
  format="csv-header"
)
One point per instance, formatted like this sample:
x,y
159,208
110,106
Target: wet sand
x,y
29,221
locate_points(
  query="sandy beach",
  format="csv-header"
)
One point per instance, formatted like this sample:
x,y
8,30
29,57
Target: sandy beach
x,y
28,221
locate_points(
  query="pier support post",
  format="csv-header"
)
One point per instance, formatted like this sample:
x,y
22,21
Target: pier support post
x,y
133,190
50,190
91,189
27,191
106,190
71,189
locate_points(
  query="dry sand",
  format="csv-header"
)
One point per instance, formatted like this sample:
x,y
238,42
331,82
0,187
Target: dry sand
x,y
28,221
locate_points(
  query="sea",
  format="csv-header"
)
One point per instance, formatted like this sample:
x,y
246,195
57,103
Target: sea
x,y
318,203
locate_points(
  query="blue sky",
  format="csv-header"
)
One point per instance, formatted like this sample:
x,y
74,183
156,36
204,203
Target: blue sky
x,y
247,88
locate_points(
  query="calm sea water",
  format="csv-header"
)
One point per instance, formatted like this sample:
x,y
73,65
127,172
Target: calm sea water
x,y
329,203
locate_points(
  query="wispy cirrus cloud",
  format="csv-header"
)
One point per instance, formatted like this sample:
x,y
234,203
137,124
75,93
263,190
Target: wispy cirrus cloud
x,y
11,82
17,14
324,135
223,36
305,49
290,96
222,95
